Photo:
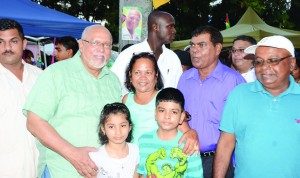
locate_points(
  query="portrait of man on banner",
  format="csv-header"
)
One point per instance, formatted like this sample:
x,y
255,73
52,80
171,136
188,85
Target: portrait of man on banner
x,y
132,23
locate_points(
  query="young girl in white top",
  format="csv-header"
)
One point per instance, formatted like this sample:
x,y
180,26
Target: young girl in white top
x,y
116,158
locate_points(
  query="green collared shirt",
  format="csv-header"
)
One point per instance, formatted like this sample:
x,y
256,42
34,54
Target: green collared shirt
x,y
70,99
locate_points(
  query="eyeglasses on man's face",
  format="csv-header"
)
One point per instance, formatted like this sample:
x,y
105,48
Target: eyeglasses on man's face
x,y
234,51
258,62
98,43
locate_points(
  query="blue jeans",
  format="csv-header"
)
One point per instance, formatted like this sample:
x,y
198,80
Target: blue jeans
x,y
46,173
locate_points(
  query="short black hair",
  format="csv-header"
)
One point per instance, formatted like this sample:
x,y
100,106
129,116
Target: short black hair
x,y
154,16
170,95
7,24
68,42
249,39
27,52
215,34
184,57
159,84
114,108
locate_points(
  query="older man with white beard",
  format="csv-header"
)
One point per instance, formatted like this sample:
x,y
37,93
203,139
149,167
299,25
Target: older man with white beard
x,y
64,106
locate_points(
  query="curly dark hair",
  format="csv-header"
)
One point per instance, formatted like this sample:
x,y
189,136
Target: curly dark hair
x,y
7,24
108,110
159,84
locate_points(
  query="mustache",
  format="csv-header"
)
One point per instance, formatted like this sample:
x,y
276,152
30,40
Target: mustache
x,y
8,52
101,54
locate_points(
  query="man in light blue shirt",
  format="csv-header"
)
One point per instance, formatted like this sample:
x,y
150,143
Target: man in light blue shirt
x,y
261,120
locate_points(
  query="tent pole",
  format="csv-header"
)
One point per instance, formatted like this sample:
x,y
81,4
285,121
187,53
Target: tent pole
x,y
45,59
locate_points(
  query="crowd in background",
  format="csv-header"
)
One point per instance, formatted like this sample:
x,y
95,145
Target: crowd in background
x,y
152,112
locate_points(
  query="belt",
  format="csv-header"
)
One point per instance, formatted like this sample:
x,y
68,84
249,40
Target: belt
x,y
209,153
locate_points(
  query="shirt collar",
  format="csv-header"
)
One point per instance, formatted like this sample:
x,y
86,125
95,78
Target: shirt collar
x,y
217,72
5,70
294,88
78,65
149,48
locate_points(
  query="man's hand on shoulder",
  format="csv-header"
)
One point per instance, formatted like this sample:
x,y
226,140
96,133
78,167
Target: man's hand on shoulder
x,y
79,158
191,140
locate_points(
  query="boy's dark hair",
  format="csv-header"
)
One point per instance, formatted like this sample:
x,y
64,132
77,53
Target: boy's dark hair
x,y
159,84
170,95
7,24
68,42
109,109
215,34
249,39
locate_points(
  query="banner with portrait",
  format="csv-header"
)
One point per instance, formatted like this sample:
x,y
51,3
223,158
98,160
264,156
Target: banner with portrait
x,y
132,23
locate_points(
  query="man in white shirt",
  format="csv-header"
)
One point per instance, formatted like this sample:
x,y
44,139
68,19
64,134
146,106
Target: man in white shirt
x,y
18,152
161,31
240,62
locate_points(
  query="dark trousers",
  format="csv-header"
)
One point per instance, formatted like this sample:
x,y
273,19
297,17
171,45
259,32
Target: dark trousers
x,y
207,164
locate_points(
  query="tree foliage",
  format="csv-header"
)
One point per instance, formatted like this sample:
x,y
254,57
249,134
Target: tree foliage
x,y
188,14
277,13
91,10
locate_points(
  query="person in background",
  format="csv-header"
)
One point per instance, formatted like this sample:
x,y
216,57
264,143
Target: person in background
x,y
296,72
116,157
28,57
159,151
161,31
18,152
205,88
240,61
132,20
261,119
65,48
63,116
185,59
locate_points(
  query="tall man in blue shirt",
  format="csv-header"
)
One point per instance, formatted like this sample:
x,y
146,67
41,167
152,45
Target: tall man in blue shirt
x,y
205,88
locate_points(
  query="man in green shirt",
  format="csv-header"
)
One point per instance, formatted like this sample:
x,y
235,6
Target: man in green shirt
x,y
64,106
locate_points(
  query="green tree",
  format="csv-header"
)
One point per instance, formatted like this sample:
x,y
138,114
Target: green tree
x,y
91,10
273,12
192,13
188,14
294,14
